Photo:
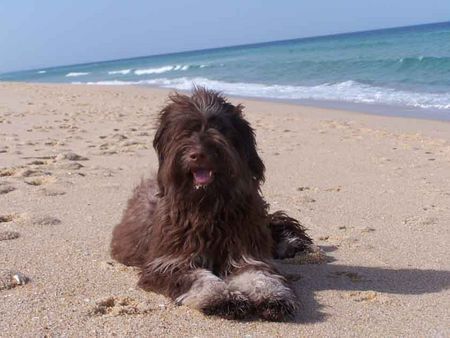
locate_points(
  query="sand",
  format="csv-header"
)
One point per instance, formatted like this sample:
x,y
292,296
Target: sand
x,y
373,191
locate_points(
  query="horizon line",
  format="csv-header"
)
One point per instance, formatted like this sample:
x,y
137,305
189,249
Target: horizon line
x,y
252,44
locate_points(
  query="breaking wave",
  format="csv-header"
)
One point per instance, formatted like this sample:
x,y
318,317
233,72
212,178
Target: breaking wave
x,y
75,74
121,72
348,91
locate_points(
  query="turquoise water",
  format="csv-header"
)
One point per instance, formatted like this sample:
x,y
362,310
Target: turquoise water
x,y
406,68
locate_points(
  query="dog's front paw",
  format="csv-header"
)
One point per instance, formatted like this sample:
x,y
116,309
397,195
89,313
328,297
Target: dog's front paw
x,y
210,295
277,310
203,293
234,306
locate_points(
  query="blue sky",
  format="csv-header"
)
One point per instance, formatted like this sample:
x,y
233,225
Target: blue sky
x,y
38,33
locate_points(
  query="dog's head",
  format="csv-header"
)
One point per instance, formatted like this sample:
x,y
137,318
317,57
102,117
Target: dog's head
x,y
204,144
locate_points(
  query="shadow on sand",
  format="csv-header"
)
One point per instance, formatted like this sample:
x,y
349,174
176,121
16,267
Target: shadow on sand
x,y
308,279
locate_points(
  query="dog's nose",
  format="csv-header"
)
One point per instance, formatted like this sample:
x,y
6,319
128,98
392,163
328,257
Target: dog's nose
x,y
196,155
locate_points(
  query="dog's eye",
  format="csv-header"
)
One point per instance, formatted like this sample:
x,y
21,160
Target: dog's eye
x,y
220,127
218,124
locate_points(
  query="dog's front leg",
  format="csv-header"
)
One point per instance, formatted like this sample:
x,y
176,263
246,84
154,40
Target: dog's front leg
x,y
209,294
268,292
197,288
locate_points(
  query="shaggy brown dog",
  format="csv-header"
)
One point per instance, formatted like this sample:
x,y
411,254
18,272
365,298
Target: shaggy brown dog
x,y
201,232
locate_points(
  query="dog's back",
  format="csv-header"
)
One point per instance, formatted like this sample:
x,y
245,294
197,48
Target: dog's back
x,y
130,238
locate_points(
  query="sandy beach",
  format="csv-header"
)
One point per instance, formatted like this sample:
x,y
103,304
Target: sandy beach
x,y
373,191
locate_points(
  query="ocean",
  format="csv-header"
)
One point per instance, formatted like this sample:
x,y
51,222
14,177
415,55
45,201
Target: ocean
x,y
399,71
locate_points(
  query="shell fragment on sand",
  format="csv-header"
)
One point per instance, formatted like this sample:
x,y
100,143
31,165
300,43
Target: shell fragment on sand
x,y
10,279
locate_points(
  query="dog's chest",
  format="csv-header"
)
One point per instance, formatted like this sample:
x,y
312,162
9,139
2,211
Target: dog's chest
x,y
214,245
204,261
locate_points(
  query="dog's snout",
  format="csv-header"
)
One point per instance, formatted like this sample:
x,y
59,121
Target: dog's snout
x,y
196,155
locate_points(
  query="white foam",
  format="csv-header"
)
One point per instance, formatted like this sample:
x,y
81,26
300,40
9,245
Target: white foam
x,y
75,74
111,83
160,70
121,72
348,91
42,72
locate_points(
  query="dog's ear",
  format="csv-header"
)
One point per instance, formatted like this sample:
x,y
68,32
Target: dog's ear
x,y
158,142
247,136
177,104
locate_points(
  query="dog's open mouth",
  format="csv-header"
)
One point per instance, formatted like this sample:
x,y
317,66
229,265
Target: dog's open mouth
x,y
202,177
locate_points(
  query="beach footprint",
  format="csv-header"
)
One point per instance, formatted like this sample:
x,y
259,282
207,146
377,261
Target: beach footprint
x,y
354,277
370,297
45,220
316,256
37,181
6,188
7,218
52,192
4,172
8,235
118,306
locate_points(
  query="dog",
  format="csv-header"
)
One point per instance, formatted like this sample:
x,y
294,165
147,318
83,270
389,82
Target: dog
x,y
200,232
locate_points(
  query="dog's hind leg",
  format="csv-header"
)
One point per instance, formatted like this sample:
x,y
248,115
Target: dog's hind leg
x,y
289,236
270,296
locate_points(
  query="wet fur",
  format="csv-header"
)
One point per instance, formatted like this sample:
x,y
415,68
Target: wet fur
x,y
209,248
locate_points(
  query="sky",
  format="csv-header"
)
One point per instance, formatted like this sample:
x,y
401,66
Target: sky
x,y
41,33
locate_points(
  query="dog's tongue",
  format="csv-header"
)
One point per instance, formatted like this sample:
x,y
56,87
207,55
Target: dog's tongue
x,y
202,176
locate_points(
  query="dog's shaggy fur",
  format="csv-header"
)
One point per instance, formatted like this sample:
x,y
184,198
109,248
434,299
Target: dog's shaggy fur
x,y
201,232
